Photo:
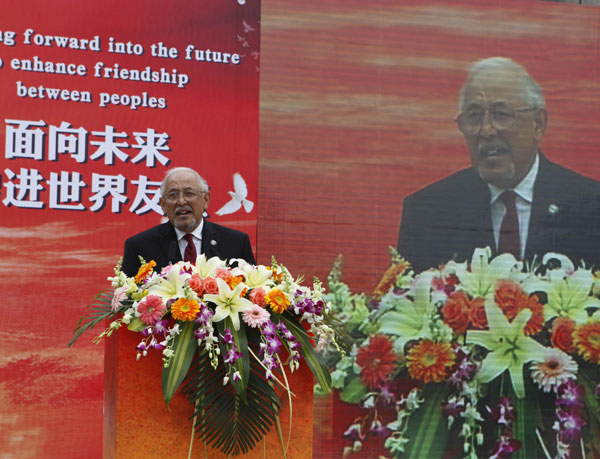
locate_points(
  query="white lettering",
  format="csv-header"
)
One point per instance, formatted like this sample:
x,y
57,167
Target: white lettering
x,y
41,92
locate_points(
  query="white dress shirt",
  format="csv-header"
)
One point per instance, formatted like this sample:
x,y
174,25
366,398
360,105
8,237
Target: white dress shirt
x,y
523,201
197,234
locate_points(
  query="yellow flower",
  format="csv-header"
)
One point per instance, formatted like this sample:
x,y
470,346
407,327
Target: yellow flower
x,y
277,300
184,309
587,341
144,271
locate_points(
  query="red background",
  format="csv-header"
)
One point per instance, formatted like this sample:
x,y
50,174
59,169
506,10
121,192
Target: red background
x,y
52,261
358,100
357,107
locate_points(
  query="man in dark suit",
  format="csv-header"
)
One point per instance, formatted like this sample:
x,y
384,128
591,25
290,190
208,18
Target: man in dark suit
x,y
512,199
184,198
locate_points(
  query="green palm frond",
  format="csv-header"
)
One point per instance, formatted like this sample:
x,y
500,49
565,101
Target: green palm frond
x,y
224,420
96,312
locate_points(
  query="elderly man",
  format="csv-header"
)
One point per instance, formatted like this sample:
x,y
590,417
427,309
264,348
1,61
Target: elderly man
x,y
512,199
184,198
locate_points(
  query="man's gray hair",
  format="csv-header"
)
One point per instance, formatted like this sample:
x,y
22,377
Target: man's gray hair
x,y
533,95
203,185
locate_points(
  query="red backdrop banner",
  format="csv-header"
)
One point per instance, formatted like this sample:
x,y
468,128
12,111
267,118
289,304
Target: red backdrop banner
x,y
98,101
358,101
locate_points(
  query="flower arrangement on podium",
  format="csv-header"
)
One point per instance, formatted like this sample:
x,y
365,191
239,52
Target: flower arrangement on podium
x,y
227,331
474,359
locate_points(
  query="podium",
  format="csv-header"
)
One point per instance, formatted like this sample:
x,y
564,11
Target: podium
x,y
137,422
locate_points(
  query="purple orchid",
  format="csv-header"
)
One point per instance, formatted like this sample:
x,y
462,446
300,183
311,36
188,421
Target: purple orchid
x,y
505,446
160,327
569,426
269,328
228,337
504,413
273,344
570,395
232,355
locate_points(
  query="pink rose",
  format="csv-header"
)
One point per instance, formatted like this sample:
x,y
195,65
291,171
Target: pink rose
x,y
223,273
257,296
195,284
210,285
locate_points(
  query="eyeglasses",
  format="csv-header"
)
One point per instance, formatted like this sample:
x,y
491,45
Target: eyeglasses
x,y
188,195
471,121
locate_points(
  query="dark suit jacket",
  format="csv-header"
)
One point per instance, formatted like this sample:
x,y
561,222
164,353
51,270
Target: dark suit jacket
x,y
450,218
160,244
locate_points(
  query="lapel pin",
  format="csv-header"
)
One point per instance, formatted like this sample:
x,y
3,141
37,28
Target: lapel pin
x,y
552,209
213,242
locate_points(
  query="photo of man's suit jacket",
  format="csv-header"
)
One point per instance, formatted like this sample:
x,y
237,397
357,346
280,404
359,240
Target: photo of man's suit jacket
x,y
160,244
450,218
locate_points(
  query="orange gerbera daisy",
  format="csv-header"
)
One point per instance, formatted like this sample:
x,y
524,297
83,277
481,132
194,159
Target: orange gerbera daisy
x,y
429,361
144,271
184,309
277,300
587,341
511,298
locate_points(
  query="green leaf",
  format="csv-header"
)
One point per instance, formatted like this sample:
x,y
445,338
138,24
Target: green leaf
x,y
136,325
354,391
313,360
184,347
95,313
223,419
592,406
427,429
526,411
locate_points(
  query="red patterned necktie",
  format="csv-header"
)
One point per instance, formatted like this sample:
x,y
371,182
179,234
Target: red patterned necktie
x,y
190,249
509,240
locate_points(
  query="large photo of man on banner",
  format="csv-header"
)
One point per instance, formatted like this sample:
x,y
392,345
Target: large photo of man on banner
x,y
434,128
512,198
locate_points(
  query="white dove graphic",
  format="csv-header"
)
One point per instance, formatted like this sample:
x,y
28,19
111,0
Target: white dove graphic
x,y
238,197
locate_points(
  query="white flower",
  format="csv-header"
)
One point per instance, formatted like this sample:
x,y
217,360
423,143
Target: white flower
x,y
256,276
411,319
556,368
129,314
480,281
568,292
207,268
228,303
171,286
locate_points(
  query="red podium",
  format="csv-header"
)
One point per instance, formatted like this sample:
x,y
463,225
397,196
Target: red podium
x,y
138,424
